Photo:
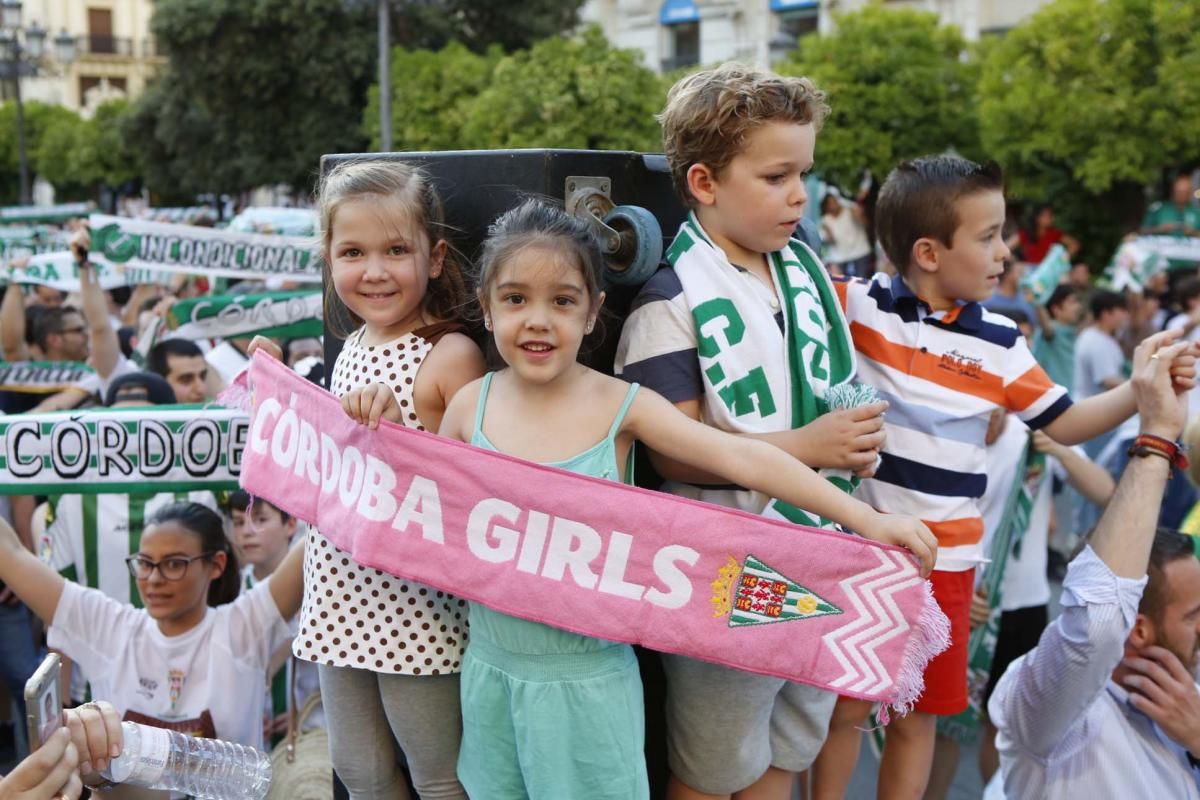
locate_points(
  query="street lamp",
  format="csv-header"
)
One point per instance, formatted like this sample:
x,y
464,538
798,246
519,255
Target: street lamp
x,y
22,51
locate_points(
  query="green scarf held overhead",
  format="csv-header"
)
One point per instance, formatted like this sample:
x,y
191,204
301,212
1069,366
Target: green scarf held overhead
x,y
287,315
981,647
755,380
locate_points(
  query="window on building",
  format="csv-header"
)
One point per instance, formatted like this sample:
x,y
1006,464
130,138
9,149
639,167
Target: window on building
x,y
685,41
796,18
86,84
681,19
100,31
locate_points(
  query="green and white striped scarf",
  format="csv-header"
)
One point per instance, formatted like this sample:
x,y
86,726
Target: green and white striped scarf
x,y
756,381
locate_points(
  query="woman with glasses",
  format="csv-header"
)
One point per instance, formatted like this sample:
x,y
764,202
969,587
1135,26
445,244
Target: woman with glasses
x,y
195,658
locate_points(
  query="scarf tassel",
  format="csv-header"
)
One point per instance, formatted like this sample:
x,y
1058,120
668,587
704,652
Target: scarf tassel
x,y
930,637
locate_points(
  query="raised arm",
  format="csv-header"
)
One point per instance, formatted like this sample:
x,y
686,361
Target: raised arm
x,y
106,347
757,465
1092,480
12,324
1044,696
1101,413
287,583
37,584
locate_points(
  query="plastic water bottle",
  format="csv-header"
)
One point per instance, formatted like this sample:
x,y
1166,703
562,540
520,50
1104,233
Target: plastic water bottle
x,y
156,758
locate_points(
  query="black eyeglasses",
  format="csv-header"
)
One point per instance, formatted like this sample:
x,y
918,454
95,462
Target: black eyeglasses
x,y
172,568
80,330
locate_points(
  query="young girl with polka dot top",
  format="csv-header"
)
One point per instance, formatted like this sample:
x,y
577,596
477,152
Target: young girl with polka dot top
x,y
389,651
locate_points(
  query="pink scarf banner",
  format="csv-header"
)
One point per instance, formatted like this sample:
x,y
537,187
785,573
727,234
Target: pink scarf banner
x,y
603,559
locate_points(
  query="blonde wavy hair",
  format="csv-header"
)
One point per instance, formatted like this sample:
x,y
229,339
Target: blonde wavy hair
x,y
710,114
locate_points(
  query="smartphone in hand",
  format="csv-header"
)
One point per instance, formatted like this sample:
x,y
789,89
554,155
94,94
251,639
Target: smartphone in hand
x,y
43,701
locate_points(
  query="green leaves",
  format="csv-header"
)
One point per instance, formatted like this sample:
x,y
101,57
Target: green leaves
x,y
572,93
255,92
899,86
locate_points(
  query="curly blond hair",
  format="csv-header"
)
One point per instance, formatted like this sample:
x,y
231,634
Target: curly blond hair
x,y
710,114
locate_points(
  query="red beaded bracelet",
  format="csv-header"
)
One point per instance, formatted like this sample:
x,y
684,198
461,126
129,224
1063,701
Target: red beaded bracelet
x,y
1149,444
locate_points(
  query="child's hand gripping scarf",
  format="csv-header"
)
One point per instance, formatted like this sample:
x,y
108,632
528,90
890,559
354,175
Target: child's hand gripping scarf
x,y
588,555
756,381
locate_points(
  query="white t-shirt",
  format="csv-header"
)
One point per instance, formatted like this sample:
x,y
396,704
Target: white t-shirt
x,y
94,384
227,360
210,681
308,681
848,238
1097,356
1025,583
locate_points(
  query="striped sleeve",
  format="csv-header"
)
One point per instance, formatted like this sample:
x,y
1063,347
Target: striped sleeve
x,y
658,342
1028,391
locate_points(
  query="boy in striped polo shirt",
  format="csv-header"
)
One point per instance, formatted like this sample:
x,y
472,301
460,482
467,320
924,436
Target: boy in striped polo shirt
x,y
943,363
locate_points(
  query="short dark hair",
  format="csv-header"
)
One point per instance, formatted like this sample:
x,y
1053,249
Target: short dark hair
x,y
919,200
1060,295
50,320
1106,300
1017,315
1188,290
240,500
156,359
153,387
1169,545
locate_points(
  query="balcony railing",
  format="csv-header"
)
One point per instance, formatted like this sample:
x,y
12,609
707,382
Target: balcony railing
x,y
95,44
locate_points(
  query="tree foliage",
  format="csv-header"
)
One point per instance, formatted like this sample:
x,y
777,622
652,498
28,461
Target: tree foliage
x,y
573,93
509,24
254,93
78,154
1074,89
44,124
899,84
431,96
1087,102
562,92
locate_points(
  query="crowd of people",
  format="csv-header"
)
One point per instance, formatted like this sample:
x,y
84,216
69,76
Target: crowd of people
x,y
1008,437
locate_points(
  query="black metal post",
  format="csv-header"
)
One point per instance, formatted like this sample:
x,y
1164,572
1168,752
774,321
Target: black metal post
x,y
385,78
22,156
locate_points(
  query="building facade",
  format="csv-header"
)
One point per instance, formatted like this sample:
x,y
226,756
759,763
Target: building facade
x,y
680,33
115,53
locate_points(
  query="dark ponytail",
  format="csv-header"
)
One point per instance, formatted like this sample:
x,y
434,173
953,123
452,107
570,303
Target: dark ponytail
x,y
208,525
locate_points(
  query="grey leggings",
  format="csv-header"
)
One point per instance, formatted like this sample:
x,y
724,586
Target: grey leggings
x,y
364,709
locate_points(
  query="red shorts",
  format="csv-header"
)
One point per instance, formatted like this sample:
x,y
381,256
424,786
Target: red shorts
x,y
946,675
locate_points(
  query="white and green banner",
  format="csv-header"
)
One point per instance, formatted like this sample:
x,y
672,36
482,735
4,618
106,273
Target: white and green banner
x,y
168,247
1134,264
53,213
121,450
59,270
41,377
283,314
1179,250
1045,277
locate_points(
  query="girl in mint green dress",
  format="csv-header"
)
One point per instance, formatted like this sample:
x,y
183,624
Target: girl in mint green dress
x,y
549,714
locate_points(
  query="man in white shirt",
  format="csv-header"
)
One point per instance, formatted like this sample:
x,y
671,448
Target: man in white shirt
x,y
1106,704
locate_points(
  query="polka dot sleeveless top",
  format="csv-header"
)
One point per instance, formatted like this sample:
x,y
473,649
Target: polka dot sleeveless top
x,y
355,616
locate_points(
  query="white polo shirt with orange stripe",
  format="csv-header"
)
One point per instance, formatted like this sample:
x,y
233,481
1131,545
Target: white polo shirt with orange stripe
x,y
942,373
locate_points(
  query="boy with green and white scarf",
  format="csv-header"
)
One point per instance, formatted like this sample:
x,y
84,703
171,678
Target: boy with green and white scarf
x,y
744,332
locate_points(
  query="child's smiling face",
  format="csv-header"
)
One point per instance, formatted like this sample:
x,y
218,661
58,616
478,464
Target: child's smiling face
x,y
539,309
